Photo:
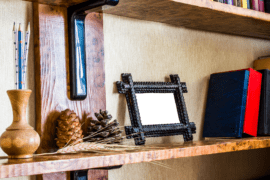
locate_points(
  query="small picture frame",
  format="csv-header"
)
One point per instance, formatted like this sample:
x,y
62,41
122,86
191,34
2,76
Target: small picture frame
x,y
137,130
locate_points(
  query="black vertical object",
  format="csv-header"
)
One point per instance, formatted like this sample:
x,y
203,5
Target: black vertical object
x,y
264,112
79,175
139,131
77,55
267,6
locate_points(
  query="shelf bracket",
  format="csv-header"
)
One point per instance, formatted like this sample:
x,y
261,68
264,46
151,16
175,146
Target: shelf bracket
x,y
77,53
96,173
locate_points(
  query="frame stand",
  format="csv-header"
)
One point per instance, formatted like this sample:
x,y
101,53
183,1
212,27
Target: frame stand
x,y
139,131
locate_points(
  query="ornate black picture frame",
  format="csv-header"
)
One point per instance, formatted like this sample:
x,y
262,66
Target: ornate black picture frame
x,y
139,131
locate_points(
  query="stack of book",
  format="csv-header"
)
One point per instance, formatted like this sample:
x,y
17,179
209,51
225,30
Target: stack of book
x,y
258,5
233,103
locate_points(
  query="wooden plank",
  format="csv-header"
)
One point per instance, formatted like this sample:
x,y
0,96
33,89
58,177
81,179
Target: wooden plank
x,y
94,174
69,162
56,176
52,71
200,15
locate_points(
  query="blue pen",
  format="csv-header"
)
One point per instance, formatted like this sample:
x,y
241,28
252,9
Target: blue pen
x,y
20,57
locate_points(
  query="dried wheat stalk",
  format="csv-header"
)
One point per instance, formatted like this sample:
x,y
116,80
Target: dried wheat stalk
x,y
88,146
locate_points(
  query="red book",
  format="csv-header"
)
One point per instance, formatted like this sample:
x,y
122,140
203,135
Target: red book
x,y
253,102
261,5
255,5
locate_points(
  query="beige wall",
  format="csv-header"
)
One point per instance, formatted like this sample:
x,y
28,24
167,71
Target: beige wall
x,y
152,51
20,12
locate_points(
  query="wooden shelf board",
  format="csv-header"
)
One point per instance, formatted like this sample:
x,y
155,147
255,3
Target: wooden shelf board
x,y
58,163
197,14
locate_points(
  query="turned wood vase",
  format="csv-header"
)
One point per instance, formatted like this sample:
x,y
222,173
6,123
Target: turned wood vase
x,y
20,140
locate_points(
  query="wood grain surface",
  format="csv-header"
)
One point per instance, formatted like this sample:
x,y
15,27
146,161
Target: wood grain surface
x,y
99,174
52,74
52,70
68,162
201,15
20,140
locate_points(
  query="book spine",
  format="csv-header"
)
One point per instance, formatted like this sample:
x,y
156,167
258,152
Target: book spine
x,y
221,1
267,100
255,5
248,4
244,101
267,6
225,1
264,114
238,3
261,5
244,4
253,102
230,2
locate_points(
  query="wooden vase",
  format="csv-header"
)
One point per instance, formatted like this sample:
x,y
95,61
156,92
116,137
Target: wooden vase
x,y
20,140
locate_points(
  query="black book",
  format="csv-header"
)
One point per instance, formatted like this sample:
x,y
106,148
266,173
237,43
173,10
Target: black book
x,y
264,113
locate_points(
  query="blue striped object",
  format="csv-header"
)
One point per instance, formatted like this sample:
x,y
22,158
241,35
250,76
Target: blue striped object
x,y
20,58
226,102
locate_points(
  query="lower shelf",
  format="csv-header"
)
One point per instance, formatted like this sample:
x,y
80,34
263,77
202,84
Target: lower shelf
x,y
69,162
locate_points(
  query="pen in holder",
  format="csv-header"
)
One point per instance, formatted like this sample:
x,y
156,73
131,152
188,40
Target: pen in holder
x,y
21,55
20,140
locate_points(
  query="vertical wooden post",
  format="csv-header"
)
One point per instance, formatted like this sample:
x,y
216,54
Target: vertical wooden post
x,y
52,72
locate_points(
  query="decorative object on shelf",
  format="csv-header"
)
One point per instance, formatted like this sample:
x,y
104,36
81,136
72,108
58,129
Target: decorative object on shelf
x,y
233,104
76,33
69,131
21,56
264,114
99,147
104,130
20,140
137,130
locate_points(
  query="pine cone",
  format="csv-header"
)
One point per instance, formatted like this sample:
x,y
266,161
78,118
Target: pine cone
x,y
104,130
69,129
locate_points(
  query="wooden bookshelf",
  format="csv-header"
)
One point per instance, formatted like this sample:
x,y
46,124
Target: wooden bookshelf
x,y
58,163
200,15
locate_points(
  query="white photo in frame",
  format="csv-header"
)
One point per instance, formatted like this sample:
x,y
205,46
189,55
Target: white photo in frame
x,y
157,108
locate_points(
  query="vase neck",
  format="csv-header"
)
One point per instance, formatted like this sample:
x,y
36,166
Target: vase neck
x,y
19,100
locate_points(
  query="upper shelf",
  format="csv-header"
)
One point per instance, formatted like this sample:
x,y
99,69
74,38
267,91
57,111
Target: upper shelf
x,y
198,14
195,14
58,163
